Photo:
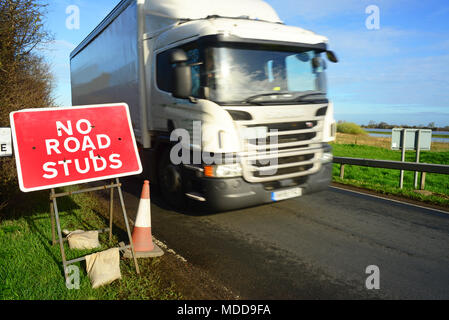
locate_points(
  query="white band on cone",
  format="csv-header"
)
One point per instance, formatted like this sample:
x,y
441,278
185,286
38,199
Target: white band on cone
x,y
143,219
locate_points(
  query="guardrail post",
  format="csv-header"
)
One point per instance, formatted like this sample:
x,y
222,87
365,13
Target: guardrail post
x,y
401,178
418,151
342,171
423,180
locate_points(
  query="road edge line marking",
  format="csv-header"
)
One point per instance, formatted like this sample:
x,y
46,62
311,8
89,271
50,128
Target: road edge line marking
x,y
173,252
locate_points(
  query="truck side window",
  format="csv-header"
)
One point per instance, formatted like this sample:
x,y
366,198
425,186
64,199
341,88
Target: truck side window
x,y
194,57
164,71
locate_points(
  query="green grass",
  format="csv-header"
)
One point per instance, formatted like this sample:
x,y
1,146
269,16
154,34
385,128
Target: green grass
x,y
387,181
31,268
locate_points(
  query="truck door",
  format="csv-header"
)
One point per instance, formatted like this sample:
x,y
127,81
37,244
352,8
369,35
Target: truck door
x,y
165,108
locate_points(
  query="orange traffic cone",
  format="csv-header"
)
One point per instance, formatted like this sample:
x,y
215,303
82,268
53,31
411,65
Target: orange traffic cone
x,y
142,237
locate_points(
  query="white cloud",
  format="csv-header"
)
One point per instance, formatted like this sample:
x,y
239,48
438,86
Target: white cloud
x,y
58,45
366,43
311,10
57,53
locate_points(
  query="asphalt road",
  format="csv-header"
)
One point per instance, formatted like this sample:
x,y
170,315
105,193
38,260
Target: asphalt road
x,y
315,247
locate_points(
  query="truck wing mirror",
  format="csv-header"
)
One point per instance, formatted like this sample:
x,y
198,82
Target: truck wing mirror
x,y
317,62
331,56
182,74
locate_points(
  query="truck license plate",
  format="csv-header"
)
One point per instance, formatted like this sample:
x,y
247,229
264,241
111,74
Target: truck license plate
x,y
286,194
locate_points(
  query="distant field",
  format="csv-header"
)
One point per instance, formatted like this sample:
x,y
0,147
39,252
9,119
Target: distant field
x,y
434,135
385,180
380,142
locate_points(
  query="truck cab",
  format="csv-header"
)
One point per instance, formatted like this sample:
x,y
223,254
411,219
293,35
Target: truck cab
x,y
233,108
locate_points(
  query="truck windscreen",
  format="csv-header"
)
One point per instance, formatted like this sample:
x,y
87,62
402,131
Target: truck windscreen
x,y
257,76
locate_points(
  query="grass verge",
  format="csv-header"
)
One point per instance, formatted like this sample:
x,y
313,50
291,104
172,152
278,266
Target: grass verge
x,y
31,268
386,181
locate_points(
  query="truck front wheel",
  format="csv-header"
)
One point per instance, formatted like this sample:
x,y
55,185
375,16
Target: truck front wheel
x,y
170,181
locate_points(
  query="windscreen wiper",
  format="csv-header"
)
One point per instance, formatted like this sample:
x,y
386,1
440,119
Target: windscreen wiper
x,y
290,95
300,98
257,96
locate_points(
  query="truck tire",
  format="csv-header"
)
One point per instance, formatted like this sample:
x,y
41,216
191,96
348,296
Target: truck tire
x,y
170,181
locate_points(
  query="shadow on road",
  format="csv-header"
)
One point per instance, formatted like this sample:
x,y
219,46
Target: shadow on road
x,y
133,185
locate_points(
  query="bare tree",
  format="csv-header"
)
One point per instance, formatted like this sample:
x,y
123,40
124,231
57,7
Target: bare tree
x,y
372,124
25,80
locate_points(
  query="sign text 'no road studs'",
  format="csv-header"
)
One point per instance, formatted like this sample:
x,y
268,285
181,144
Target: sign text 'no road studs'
x,y
65,146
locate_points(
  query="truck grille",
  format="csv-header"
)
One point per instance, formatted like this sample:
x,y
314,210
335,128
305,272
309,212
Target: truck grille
x,y
289,126
286,139
285,160
284,171
291,150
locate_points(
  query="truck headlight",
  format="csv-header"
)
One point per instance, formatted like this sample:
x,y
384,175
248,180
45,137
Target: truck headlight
x,y
327,157
223,171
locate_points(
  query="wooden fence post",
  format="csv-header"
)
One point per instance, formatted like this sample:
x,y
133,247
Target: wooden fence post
x,y
342,171
423,180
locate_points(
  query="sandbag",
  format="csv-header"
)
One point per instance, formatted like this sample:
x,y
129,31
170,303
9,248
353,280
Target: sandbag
x,y
81,240
103,267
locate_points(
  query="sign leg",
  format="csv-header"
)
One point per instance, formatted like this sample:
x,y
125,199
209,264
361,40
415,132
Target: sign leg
x,y
111,211
125,216
52,218
61,241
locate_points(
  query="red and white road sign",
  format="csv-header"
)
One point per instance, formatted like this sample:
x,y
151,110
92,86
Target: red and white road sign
x,y
65,146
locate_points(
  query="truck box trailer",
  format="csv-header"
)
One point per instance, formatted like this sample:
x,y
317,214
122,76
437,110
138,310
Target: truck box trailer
x,y
229,105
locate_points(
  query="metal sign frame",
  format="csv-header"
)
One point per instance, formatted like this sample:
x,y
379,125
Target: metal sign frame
x,y
56,223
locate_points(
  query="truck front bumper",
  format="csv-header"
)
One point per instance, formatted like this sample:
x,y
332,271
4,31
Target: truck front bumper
x,y
236,193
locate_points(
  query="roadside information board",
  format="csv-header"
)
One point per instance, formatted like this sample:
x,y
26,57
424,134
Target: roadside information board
x,y
408,138
5,142
58,147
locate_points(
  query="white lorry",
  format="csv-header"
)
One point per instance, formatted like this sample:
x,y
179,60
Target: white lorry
x,y
248,90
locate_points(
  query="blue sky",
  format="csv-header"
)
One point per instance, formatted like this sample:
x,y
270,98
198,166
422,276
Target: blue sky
x,y
398,73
